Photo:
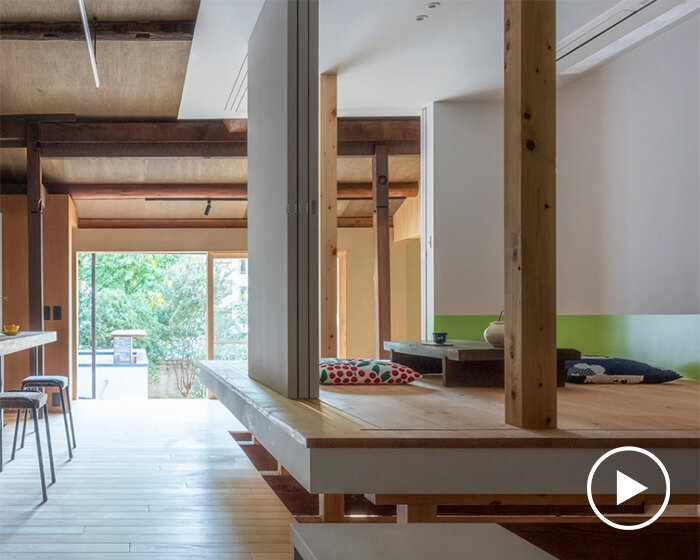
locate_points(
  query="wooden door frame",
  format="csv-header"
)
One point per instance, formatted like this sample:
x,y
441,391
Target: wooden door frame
x,y
211,256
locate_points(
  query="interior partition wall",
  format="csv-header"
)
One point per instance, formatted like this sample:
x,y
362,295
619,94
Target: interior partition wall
x,y
282,198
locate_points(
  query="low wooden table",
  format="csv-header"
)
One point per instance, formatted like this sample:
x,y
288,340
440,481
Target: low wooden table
x,y
464,363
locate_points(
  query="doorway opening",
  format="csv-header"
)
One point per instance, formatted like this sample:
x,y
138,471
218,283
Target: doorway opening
x,y
146,320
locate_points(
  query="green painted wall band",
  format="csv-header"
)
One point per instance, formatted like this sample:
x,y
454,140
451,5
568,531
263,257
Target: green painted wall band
x,y
670,341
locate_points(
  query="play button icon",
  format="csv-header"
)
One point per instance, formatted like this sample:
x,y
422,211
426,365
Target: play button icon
x,y
627,487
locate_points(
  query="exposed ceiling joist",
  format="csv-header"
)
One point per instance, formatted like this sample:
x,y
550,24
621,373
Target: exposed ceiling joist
x,y
154,131
182,139
359,129
104,31
220,191
76,150
198,223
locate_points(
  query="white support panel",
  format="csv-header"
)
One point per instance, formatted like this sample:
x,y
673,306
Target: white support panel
x,y
283,192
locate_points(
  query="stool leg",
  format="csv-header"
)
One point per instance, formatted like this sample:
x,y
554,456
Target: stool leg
x,y
35,414
2,423
70,415
48,440
14,439
24,428
65,422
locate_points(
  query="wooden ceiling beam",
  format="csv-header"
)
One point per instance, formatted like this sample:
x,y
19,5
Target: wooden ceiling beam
x,y
102,132
356,137
377,129
13,128
367,149
77,150
232,191
89,191
104,31
146,150
197,223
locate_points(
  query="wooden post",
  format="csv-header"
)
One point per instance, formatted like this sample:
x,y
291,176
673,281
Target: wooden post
x,y
530,237
35,246
416,513
331,507
328,183
382,263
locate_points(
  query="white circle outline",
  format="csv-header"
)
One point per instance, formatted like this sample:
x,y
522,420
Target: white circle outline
x,y
610,453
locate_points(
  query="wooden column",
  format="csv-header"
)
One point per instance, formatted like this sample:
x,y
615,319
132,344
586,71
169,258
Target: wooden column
x,y
416,513
382,264
35,206
328,183
332,507
530,189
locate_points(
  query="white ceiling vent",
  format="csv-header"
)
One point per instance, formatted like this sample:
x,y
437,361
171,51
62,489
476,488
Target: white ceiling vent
x,y
619,28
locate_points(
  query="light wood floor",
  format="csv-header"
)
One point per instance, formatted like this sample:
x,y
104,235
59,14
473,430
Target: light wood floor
x,y
151,480
426,414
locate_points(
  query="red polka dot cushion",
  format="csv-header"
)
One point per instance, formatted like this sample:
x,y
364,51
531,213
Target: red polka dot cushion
x,y
337,371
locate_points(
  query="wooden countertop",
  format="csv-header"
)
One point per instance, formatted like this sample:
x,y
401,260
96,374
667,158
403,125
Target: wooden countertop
x,y
426,415
24,341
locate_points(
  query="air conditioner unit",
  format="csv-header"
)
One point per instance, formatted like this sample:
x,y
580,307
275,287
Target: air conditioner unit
x,y
619,28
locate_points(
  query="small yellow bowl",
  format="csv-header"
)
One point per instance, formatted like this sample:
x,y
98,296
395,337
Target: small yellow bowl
x,y
10,329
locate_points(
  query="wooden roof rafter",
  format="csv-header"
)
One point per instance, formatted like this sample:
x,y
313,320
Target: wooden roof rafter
x,y
221,191
104,31
181,139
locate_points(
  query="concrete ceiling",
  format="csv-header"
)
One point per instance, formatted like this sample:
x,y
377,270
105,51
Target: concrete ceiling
x,y
106,10
138,78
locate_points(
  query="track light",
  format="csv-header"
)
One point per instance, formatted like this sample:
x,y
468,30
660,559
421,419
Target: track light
x,y
91,50
208,208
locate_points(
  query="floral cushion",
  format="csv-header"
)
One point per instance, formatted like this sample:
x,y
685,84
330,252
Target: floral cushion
x,y
336,371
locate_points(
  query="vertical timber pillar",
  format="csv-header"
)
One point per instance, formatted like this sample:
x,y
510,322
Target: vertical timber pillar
x,y
530,218
328,212
382,263
35,246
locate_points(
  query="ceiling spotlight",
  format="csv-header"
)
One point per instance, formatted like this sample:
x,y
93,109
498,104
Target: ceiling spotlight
x,y
433,5
208,208
421,17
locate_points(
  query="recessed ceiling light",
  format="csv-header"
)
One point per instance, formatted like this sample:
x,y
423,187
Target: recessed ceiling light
x,y
434,5
421,17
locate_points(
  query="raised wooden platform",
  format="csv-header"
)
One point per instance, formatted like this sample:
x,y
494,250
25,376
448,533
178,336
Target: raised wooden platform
x,y
425,438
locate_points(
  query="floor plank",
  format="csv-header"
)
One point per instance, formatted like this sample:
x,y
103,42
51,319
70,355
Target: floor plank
x,y
151,479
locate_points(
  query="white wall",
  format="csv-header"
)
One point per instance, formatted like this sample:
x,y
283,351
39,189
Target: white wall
x,y
405,290
159,240
628,187
467,197
629,181
283,175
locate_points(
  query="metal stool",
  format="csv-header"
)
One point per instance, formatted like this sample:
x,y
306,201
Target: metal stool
x,y
58,382
34,401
